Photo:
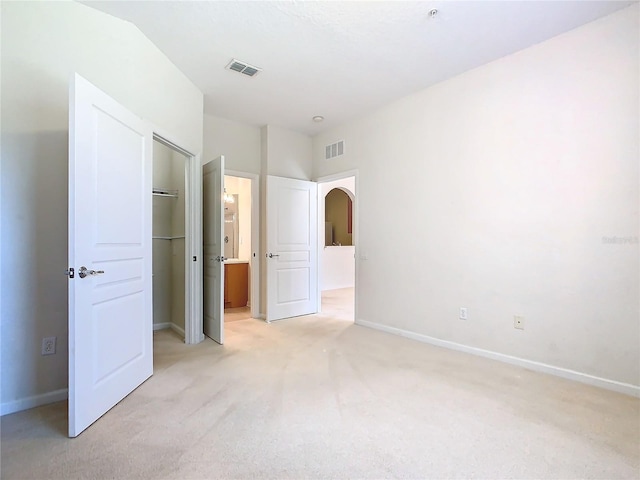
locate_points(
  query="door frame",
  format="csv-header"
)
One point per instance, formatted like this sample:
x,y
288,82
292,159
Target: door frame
x,y
256,256
193,327
356,232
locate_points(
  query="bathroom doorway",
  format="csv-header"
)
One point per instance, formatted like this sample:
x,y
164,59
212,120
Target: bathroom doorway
x,y
241,297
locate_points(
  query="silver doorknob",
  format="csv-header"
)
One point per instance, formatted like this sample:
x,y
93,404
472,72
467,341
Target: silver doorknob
x,y
271,255
221,258
83,272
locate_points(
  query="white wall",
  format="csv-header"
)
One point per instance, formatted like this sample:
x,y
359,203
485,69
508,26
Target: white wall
x,y
289,154
497,191
337,267
337,264
43,43
238,142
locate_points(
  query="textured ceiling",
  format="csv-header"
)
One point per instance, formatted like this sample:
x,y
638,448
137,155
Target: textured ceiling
x,y
338,59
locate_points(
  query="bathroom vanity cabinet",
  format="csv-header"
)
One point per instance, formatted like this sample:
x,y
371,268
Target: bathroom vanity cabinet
x,y
236,284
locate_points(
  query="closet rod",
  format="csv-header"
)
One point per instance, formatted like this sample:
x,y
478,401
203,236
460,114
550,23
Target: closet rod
x,y
168,238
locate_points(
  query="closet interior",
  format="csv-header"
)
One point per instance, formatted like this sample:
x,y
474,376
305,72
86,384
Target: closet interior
x,y
169,241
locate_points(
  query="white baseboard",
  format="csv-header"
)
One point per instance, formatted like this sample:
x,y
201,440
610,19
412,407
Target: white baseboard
x,y
177,329
172,326
62,394
626,388
33,401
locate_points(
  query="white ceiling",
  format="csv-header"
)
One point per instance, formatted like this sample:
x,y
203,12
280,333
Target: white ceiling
x,y
338,59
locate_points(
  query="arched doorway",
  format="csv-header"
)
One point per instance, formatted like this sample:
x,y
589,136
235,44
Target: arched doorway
x,y
337,242
338,210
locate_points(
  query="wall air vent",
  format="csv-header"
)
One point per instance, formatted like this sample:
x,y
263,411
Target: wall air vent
x,y
334,150
243,67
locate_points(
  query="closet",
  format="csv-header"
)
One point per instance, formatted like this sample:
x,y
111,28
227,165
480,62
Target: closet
x,y
168,238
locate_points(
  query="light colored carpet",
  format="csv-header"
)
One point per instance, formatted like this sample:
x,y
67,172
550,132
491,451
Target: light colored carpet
x,y
235,314
339,303
319,397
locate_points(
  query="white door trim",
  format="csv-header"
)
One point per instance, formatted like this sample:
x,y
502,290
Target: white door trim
x,y
193,332
356,232
338,176
256,255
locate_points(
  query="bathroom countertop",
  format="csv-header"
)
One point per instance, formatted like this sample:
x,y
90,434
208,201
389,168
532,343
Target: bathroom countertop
x,y
235,260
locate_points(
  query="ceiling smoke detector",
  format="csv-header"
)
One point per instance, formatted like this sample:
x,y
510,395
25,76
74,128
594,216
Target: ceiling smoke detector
x,y
243,67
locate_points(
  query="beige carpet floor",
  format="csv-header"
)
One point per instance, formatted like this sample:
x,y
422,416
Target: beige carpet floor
x,y
319,397
235,314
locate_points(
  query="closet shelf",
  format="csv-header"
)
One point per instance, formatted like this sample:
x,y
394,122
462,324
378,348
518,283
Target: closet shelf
x,y
157,237
163,192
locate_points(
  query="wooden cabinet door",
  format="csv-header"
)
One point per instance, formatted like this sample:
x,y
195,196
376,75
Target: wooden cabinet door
x,y
236,280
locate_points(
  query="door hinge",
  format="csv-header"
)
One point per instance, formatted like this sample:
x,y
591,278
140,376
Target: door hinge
x,y
69,272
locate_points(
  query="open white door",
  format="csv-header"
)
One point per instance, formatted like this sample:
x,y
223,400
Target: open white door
x,y
213,248
110,307
292,252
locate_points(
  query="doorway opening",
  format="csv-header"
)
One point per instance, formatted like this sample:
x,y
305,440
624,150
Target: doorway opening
x,y
231,227
175,240
238,248
169,238
337,237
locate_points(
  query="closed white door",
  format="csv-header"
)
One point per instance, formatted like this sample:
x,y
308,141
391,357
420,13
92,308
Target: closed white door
x,y
110,305
292,254
213,248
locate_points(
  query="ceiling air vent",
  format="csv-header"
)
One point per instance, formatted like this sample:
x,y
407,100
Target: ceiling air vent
x,y
243,67
334,150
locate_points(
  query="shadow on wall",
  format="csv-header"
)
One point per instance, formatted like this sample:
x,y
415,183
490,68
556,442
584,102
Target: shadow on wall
x,y
34,256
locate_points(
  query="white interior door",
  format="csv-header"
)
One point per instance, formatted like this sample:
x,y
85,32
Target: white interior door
x,y
292,253
110,305
213,248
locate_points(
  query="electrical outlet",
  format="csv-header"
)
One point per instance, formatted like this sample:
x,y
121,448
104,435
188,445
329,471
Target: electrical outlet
x,y
463,313
48,345
518,322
